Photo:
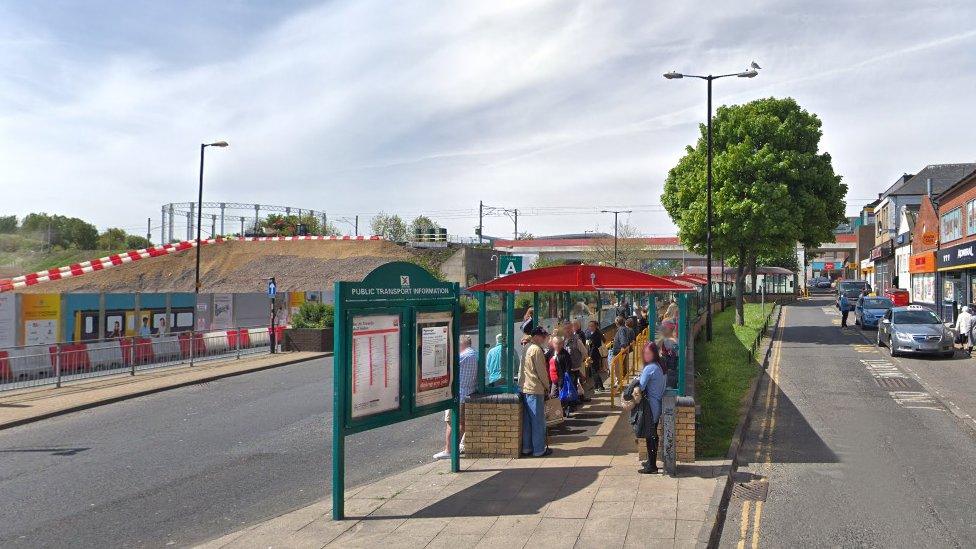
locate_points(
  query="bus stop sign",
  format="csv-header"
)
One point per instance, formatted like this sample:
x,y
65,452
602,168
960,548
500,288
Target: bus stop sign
x,y
509,264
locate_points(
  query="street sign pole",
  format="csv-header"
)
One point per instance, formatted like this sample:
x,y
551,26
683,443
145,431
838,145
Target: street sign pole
x,y
272,331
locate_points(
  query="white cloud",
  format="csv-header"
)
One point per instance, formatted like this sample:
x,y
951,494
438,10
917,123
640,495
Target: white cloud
x,y
367,106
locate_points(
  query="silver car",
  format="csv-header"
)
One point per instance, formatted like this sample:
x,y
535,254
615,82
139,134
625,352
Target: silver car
x,y
914,329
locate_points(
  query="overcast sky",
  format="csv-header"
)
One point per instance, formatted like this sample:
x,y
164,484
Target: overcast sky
x,y
409,107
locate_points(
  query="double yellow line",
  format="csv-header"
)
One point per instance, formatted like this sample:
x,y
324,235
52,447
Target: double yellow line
x,y
752,513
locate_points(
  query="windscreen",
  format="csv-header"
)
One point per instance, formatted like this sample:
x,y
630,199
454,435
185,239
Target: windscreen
x,y
876,303
916,317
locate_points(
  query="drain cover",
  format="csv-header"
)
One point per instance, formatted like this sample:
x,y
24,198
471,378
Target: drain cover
x,y
753,490
893,383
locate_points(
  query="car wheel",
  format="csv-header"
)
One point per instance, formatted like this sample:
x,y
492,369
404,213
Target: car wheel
x,y
878,339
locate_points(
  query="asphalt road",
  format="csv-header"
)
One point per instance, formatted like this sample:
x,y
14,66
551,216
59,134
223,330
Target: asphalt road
x,y
855,450
190,464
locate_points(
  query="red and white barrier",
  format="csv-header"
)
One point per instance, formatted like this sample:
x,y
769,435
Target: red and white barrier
x,y
78,269
25,363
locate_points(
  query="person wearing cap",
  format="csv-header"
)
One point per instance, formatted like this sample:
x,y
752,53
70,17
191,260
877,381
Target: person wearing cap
x,y
534,384
493,362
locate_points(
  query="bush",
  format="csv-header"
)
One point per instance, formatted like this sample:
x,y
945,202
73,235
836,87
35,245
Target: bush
x,y
8,224
469,304
523,301
315,315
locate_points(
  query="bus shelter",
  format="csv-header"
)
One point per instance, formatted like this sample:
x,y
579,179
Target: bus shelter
x,y
560,287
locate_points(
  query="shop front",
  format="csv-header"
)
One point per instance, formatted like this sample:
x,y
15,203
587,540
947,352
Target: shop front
x,y
956,267
867,270
921,268
883,257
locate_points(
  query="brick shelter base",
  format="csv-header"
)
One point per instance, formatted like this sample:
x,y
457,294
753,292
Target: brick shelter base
x,y
492,426
684,434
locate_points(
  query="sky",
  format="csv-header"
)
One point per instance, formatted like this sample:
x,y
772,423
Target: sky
x,y
557,108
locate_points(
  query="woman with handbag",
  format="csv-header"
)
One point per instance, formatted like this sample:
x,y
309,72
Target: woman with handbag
x,y
560,366
646,411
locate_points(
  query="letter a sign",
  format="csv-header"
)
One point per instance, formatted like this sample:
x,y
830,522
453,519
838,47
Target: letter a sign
x,y
509,264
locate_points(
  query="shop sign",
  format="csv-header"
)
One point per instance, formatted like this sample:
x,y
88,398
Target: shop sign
x,y
829,266
922,263
883,251
957,256
930,238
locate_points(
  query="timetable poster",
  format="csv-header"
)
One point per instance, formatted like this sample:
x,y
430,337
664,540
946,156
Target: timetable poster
x,y
375,364
435,357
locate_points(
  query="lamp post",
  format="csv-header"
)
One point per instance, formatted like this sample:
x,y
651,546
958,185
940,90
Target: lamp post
x,y
615,214
203,147
752,72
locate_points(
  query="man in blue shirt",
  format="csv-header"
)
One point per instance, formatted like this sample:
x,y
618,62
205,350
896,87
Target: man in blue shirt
x,y
468,383
493,362
845,307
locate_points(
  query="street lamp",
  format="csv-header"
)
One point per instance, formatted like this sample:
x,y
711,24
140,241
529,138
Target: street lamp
x,y
751,72
615,214
203,146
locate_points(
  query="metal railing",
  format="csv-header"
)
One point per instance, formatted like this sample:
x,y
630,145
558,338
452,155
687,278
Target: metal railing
x,y
53,364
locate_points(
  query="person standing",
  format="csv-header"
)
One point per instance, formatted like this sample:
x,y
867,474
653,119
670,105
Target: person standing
x,y
577,352
964,328
560,374
645,415
144,330
535,385
162,330
594,342
493,362
468,384
844,305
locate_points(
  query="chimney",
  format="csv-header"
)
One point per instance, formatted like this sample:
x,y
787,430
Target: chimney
x,y
928,187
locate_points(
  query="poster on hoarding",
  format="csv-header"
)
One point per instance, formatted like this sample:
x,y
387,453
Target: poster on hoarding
x,y
435,357
375,364
8,320
223,312
203,312
41,314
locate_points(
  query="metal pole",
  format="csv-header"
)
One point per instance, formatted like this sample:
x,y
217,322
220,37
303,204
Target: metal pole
x,y
57,367
132,363
223,206
192,343
237,342
481,225
357,225
615,225
162,230
170,224
242,227
516,223
196,286
708,238
213,225
149,231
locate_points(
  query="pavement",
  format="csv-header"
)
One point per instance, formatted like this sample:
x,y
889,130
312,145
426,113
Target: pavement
x,y
586,494
849,447
22,406
190,464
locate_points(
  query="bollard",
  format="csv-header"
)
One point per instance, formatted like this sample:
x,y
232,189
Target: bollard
x,y
57,366
668,416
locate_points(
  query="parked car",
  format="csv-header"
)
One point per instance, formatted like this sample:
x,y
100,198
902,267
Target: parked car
x,y
897,296
914,329
869,310
823,283
852,289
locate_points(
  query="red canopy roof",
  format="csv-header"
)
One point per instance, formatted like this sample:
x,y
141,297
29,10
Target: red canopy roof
x,y
582,278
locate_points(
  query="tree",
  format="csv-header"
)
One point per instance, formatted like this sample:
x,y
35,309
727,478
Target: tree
x,y
314,314
772,186
136,242
422,224
111,239
8,224
390,227
632,250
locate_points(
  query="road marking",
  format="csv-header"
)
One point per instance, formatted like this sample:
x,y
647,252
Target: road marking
x,y
915,400
755,524
864,348
881,369
744,525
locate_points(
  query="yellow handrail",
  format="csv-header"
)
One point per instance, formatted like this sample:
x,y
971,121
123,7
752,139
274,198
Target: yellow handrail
x,y
625,365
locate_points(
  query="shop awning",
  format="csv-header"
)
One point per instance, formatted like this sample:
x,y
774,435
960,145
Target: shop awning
x,y
582,278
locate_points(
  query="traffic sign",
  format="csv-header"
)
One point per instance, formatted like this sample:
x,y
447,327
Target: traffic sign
x,y
272,288
509,264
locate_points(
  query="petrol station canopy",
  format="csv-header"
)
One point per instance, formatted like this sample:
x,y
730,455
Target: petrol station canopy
x,y
583,278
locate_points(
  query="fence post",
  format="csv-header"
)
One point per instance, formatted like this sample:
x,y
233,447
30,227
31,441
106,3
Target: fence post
x,y
57,366
132,357
237,343
193,346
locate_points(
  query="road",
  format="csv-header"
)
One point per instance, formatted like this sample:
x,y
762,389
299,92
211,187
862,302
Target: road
x,y
190,464
855,448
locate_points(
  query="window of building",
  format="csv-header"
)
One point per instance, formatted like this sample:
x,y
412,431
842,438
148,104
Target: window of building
x,y
971,217
951,225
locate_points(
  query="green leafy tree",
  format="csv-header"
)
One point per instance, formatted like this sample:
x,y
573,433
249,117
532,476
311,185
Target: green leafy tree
x,y
390,227
8,224
314,314
772,186
136,242
111,239
65,232
422,224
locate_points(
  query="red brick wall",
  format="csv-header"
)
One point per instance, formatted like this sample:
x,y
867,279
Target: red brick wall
x,y
927,222
958,198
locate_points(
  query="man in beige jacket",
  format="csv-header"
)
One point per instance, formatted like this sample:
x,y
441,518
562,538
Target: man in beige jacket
x,y
535,385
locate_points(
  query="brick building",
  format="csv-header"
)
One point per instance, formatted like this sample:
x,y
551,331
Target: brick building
x,y
956,256
921,264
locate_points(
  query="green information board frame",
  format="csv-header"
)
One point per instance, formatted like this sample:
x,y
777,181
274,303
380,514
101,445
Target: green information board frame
x,y
368,314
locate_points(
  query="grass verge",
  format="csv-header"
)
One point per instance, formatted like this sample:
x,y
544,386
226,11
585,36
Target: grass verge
x,y
724,373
